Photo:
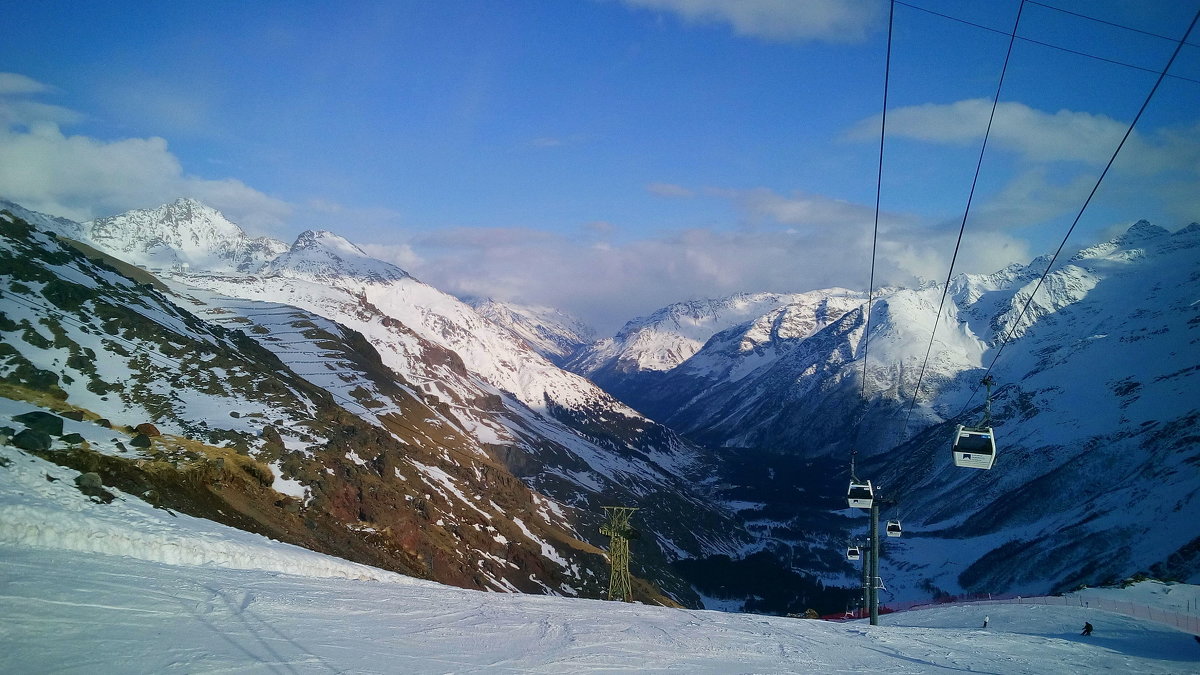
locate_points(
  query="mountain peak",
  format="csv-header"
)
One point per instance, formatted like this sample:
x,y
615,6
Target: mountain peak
x,y
1140,231
323,255
310,239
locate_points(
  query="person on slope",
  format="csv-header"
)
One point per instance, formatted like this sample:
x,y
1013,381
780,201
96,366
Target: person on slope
x,y
1087,628
985,622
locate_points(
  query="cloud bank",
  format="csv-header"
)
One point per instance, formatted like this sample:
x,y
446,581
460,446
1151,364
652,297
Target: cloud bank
x,y
80,177
795,242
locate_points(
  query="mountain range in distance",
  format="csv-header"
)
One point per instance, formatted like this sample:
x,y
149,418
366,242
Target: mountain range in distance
x,y
730,422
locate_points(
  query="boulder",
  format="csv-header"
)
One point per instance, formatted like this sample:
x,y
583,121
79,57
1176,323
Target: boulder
x,y
73,439
89,481
103,421
147,429
76,415
140,441
45,422
29,439
91,485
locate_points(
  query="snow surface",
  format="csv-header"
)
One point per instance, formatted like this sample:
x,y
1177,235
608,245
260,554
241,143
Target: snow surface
x,y
125,587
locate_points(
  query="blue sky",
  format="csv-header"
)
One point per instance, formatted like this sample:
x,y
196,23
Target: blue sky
x,y
608,156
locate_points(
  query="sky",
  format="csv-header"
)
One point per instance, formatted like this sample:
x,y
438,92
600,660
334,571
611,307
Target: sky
x,y
609,157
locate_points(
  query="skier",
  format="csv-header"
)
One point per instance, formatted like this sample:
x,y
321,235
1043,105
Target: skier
x,y
985,622
1087,628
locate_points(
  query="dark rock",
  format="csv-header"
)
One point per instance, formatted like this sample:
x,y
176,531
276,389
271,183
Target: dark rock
x,y
76,415
32,440
7,432
147,429
103,421
121,447
45,422
73,439
140,441
51,479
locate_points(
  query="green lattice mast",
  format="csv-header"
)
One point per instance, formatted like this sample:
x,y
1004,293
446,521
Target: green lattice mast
x,y
619,531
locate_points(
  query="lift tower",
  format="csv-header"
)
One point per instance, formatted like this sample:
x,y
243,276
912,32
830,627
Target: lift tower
x,y
620,532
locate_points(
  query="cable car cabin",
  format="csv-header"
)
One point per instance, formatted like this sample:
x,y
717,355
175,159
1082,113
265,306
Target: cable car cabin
x,y
860,495
974,447
893,528
853,553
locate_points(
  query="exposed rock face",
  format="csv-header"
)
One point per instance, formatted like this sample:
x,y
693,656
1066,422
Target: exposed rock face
x,y
30,439
395,454
44,422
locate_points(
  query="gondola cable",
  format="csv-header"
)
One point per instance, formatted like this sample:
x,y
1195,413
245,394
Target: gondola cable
x,y
887,69
1048,44
1128,132
855,492
1109,23
966,213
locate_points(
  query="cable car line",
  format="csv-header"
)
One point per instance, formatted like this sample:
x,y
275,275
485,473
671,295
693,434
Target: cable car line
x,y
1128,132
856,489
1109,23
966,212
887,70
1046,44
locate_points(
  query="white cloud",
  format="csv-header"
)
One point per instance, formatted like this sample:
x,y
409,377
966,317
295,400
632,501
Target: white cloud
x,y
398,254
1059,157
1032,197
15,83
823,243
780,20
804,209
80,177
1036,135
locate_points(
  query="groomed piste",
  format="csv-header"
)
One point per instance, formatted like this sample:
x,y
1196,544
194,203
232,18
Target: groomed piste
x,y
92,587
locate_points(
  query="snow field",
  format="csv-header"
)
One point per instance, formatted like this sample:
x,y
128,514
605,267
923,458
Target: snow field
x,y
41,508
91,587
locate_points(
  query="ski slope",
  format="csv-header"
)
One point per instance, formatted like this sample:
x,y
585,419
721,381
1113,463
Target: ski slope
x,y
124,587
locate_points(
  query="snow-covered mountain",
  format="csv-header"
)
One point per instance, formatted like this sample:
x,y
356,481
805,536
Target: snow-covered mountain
x,y
183,233
312,441
1094,402
324,257
550,332
1096,472
434,365
631,362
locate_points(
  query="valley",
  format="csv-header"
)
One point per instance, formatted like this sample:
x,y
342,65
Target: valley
x,y
385,410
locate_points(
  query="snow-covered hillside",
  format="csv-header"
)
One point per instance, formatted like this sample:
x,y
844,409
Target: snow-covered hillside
x,y
632,363
552,333
1095,478
671,335
161,592
235,434
427,370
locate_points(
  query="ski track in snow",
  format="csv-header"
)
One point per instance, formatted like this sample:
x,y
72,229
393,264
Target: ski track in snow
x,y
88,587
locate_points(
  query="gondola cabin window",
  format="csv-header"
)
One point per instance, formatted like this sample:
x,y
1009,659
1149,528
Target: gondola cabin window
x,y
974,447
